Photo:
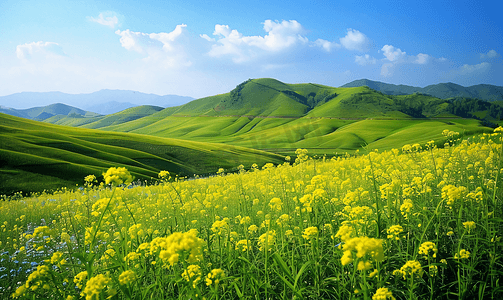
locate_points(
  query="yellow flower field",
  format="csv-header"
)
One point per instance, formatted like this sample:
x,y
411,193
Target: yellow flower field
x,y
417,223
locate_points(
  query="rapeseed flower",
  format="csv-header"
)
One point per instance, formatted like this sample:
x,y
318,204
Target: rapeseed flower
x,y
95,285
310,233
127,277
410,268
469,225
463,254
214,276
394,232
117,176
192,274
426,247
243,245
364,246
383,294
267,240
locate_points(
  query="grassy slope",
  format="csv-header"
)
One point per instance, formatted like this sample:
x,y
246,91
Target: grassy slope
x,y
35,154
341,124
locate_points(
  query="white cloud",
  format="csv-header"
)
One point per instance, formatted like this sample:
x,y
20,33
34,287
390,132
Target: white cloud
x,y
365,60
489,54
355,40
328,46
206,37
393,54
108,18
468,69
280,36
162,47
38,50
422,59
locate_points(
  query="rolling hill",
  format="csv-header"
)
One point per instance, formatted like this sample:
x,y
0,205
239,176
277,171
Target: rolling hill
x,y
35,156
442,90
46,112
273,116
257,122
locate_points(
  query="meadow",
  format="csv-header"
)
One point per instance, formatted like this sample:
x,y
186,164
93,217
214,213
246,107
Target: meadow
x,y
420,222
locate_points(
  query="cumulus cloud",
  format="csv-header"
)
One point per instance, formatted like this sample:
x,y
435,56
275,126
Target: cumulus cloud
x,y
355,40
365,60
327,45
468,69
422,59
163,46
489,54
280,36
393,54
38,49
108,18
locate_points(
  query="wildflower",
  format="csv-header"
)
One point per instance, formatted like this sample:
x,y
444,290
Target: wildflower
x,y
243,245
163,175
215,276
267,240
245,220
39,278
450,233
284,218
192,274
117,176
171,247
89,180
469,225
275,204
433,270
406,207
410,268
135,231
252,229
462,254
346,231
310,232
79,279
127,277
450,193
394,232
363,246
383,294
219,226
95,286
426,247
364,265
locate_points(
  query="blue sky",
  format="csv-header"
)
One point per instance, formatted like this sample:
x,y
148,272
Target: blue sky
x,y
202,48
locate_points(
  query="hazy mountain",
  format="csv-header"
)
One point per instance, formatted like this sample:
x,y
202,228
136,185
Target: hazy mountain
x,y
442,90
113,100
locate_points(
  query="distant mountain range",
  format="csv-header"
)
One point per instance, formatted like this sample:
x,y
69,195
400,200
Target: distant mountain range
x,y
101,102
442,90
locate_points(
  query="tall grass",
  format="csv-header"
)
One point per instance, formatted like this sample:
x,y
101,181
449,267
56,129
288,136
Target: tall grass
x,y
415,223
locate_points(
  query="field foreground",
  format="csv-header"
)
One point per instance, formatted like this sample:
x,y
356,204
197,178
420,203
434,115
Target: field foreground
x,y
415,223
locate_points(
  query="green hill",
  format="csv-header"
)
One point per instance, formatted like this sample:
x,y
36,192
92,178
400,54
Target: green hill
x,y
46,112
274,116
35,156
485,92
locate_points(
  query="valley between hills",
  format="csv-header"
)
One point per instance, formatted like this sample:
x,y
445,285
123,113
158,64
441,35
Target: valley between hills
x,y
260,121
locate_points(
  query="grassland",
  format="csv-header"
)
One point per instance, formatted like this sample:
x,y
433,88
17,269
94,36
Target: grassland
x,y
36,155
261,114
270,115
417,223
